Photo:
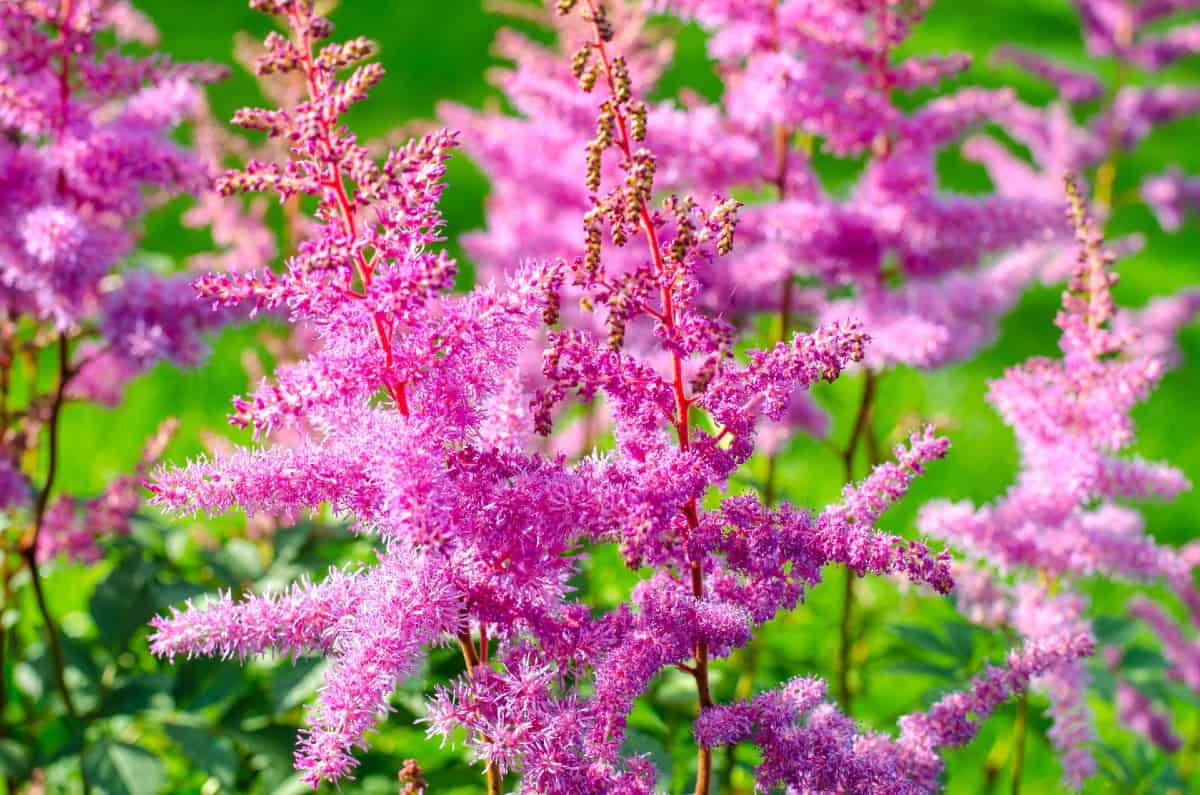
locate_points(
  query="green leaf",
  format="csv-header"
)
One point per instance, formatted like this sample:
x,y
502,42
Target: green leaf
x,y
214,755
922,667
921,638
242,558
133,696
29,680
203,683
1143,658
124,602
115,768
292,685
14,759
646,719
1103,682
1112,630
1116,767
290,542
962,641
270,741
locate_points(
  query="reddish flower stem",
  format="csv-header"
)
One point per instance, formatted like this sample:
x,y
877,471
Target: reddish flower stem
x,y
349,224
681,421
495,782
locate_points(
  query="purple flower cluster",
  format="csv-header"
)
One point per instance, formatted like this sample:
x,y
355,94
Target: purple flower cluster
x,y
1060,521
415,415
88,149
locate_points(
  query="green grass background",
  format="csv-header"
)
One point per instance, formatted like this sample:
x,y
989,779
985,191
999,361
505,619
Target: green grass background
x,y
440,50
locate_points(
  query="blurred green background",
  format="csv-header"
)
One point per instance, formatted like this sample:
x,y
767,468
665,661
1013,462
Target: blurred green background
x,y
440,50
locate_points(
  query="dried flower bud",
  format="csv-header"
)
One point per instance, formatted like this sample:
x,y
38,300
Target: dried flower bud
x,y
598,16
594,150
587,81
591,261
580,61
616,324
622,86
339,56
637,120
550,311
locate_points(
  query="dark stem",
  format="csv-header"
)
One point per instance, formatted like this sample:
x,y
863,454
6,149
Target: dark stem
x,y
846,644
30,546
861,428
1019,741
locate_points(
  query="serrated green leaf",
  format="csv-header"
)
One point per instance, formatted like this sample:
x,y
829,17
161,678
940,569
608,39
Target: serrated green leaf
x,y
115,768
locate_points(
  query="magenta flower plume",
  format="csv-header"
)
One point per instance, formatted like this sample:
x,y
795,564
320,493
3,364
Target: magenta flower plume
x,y
807,745
90,147
414,413
1071,417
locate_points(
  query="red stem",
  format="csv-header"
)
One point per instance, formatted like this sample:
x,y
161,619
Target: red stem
x,y
681,421
383,328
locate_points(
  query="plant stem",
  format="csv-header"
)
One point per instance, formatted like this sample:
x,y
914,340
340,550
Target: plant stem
x,y
334,182
29,547
861,428
495,781
681,420
1019,741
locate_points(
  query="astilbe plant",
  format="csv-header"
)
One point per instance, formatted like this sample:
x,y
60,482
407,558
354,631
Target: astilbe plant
x,y
87,151
1060,522
928,272
1141,39
412,429
797,76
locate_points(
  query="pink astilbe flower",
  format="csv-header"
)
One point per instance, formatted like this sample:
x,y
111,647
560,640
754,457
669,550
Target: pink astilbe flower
x,y
807,745
1181,652
88,147
790,68
1172,196
1071,417
412,415
1143,38
1138,711
471,536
